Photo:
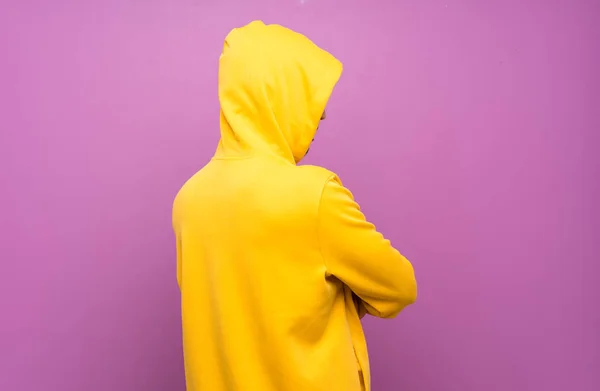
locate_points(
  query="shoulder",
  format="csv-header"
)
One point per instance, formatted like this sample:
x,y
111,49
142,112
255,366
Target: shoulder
x,y
331,189
319,174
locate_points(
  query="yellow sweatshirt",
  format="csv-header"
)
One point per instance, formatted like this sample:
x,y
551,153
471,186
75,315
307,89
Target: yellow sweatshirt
x,y
275,262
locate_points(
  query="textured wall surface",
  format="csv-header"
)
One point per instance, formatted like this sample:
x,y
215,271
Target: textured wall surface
x,y
468,131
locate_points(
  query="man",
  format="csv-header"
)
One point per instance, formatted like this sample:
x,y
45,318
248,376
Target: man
x,y
275,262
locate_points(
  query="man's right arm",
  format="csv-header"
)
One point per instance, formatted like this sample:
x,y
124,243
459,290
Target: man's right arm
x,y
360,257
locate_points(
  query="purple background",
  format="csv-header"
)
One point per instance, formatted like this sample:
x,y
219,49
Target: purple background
x,y
466,129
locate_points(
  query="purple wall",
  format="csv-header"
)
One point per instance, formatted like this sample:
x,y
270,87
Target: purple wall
x,y
466,130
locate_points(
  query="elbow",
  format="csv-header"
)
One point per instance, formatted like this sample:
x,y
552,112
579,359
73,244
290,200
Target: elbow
x,y
409,295
404,295
404,289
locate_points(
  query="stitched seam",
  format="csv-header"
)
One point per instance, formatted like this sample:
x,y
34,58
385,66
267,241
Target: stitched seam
x,y
232,157
319,221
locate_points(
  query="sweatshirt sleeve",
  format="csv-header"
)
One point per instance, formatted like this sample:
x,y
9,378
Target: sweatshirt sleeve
x,y
178,244
360,257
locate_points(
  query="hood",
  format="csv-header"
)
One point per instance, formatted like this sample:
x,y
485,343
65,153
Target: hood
x,y
274,85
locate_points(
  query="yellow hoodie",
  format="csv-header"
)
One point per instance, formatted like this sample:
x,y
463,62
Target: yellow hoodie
x,y
275,262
